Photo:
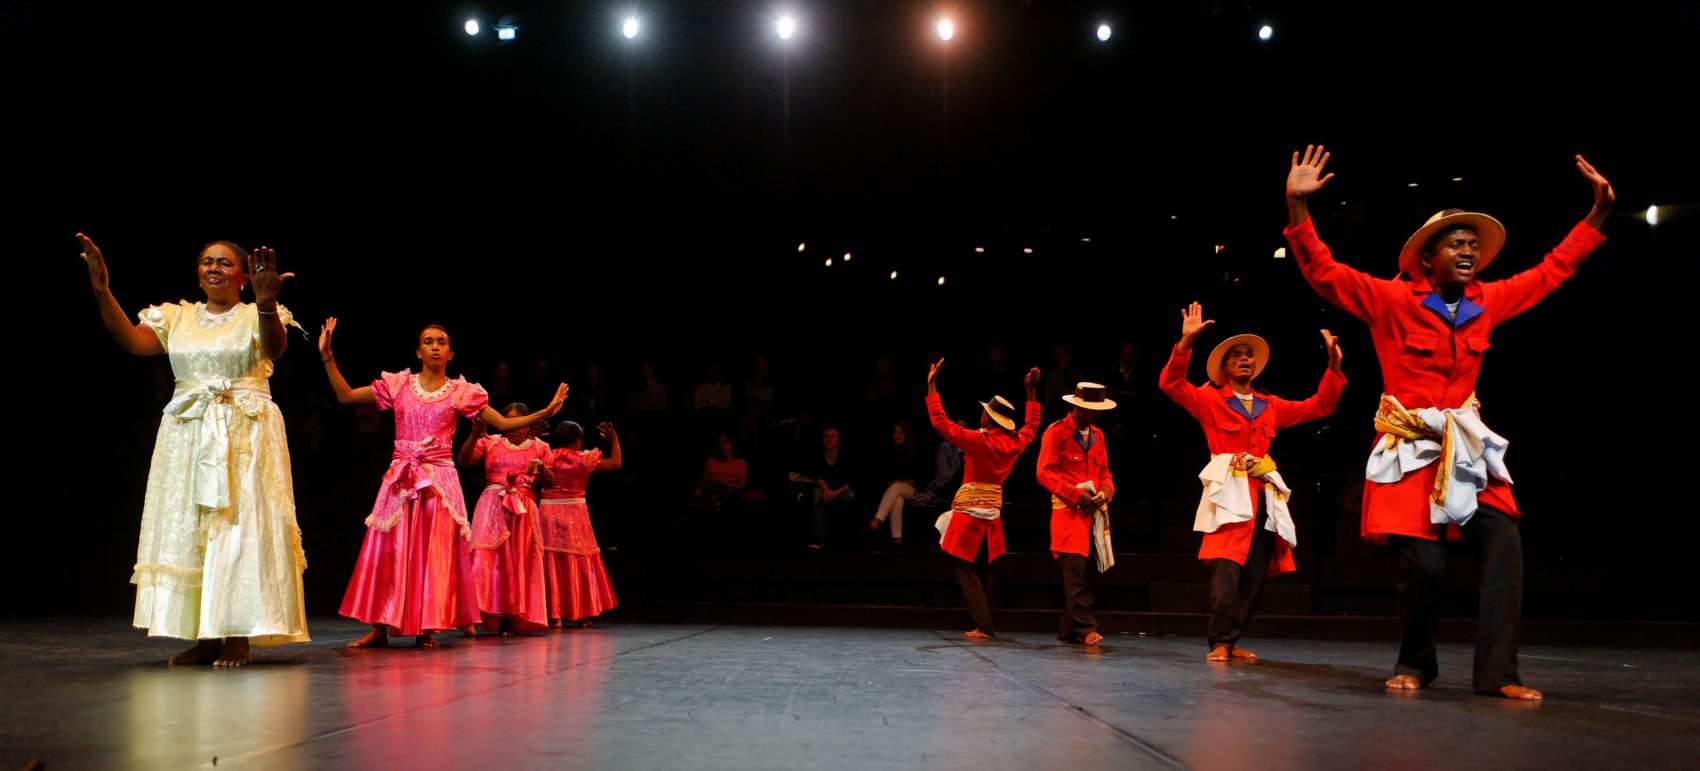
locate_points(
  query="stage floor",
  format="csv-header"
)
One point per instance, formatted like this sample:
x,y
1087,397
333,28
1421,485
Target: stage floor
x,y
95,694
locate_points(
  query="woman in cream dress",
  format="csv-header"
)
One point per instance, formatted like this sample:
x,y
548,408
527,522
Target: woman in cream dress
x,y
220,556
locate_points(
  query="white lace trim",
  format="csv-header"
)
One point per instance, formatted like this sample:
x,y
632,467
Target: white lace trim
x,y
208,320
430,396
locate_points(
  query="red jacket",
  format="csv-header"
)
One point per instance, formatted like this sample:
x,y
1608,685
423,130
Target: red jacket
x,y
987,457
1064,463
1427,358
1228,428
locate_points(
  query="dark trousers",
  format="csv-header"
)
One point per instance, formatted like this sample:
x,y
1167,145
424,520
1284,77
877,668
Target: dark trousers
x,y
1494,536
1077,618
976,580
1235,589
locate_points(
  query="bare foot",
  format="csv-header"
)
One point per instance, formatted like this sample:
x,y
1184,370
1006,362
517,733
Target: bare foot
x,y
1092,640
583,624
379,637
203,652
1519,692
897,540
1219,653
427,641
235,653
554,623
470,630
1241,653
1404,683
874,524
975,634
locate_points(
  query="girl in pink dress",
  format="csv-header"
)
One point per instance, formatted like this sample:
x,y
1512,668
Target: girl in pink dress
x,y
577,584
507,557
414,573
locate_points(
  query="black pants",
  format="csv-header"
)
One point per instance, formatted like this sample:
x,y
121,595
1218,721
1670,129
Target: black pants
x,y
1077,618
1422,563
1235,589
976,580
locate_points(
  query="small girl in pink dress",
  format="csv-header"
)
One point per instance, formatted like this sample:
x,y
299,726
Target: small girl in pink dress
x,y
507,557
414,573
577,583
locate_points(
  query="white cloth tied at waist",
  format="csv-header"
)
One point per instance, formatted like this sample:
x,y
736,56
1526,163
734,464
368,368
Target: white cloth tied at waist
x,y
1477,454
211,473
1227,499
513,496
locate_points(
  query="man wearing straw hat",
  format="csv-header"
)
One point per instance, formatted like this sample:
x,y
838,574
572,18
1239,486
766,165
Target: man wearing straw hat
x,y
1075,469
1435,467
1248,532
988,454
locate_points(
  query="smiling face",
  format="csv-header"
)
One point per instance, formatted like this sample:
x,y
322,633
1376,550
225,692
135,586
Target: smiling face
x,y
1450,258
222,272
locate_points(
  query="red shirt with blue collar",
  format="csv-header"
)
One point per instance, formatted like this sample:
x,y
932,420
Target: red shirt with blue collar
x,y
1231,427
1429,357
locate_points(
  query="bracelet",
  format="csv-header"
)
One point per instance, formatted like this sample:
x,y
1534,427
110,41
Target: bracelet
x,y
267,313
326,358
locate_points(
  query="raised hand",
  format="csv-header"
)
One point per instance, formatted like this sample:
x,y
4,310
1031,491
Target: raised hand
x,y
1332,343
97,263
1305,176
265,279
606,430
933,376
560,399
1604,196
1193,322
325,331
1031,381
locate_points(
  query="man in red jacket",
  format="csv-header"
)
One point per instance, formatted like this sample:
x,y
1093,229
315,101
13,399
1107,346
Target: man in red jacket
x,y
1435,467
1071,454
975,513
1248,532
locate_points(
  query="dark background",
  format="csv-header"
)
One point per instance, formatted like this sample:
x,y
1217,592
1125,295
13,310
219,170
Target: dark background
x,y
577,198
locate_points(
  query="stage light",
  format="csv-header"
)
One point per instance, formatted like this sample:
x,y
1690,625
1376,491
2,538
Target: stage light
x,y
1265,32
506,33
1281,253
1103,33
946,29
979,250
1652,215
630,28
801,245
1027,250
941,280
894,275
471,26
787,26
829,262
846,256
